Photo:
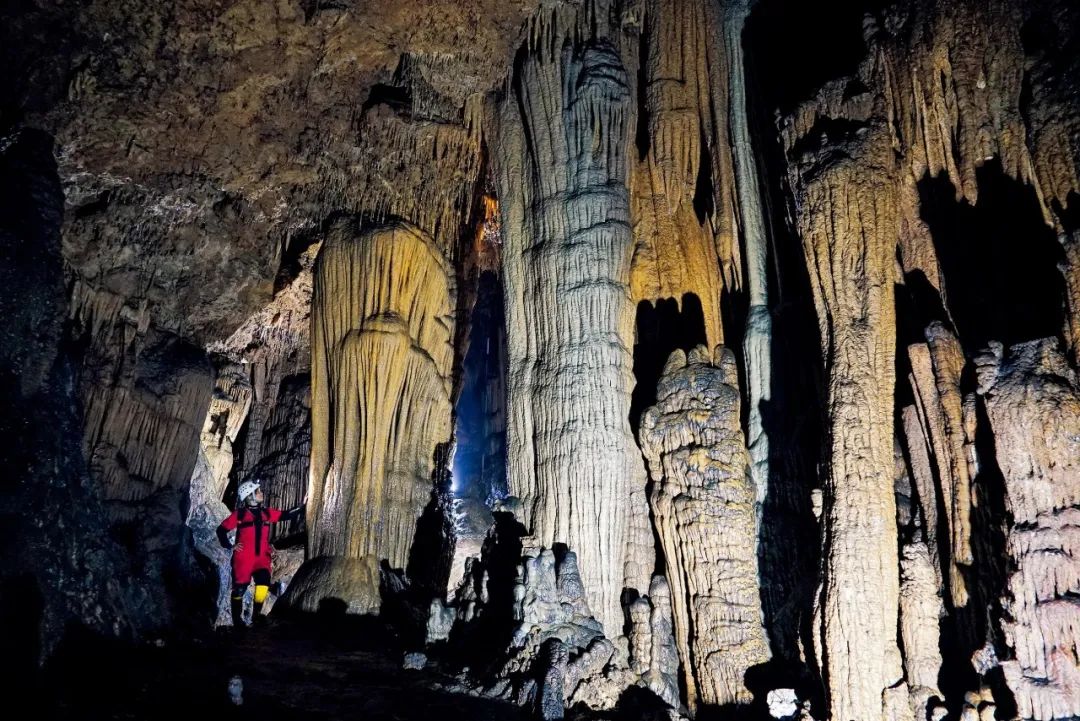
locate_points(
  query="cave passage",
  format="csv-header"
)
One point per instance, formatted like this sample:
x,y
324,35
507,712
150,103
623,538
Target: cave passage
x,y
480,458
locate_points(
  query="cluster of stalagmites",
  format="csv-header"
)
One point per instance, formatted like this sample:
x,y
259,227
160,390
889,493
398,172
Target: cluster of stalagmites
x,y
552,652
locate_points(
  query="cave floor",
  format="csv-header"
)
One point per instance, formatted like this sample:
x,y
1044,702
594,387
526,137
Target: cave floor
x,y
289,671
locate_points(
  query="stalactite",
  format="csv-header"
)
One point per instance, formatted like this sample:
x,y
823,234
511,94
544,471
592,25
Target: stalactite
x,y
382,320
562,174
846,196
145,394
936,368
757,341
676,254
703,505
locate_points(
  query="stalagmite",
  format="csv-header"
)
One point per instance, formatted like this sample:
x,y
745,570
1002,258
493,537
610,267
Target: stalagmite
x,y
921,610
225,417
703,506
382,320
562,173
845,192
1032,398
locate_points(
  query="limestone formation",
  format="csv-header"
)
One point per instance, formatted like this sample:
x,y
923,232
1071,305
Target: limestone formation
x,y
383,320
562,173
335,585
682,250
921,611
935,379
844,185
1032,398
703,506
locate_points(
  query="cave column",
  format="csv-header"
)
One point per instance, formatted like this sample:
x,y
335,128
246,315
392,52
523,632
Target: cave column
x,y
382,329
847,220
562,170
758,338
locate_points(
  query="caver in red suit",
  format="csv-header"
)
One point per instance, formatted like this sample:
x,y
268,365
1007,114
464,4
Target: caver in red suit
x,y
251,552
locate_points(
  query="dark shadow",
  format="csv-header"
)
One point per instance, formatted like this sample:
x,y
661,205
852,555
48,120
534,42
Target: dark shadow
x,y
799,27
634,704
21,614
986,581
308,668
998,258
483,642
396,99
703,187
661,329
794,418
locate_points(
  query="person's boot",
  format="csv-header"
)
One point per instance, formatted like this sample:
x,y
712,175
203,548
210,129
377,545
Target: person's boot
x,y
237,607
257,617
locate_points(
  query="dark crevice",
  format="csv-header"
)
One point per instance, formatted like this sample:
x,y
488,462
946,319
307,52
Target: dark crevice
x,y
661,329
998,258
703,187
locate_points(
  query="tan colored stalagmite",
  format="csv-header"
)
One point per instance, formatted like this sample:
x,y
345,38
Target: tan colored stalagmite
x,y
562,174
382,326
1033,401
703,507
845,193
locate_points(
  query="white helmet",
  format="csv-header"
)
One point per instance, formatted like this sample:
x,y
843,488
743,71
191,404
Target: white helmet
x,y
246,489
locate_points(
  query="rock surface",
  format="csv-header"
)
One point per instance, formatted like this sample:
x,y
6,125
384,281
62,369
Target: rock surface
x,y
703,501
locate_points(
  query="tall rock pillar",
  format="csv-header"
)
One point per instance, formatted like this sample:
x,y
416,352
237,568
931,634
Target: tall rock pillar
x,y
562,171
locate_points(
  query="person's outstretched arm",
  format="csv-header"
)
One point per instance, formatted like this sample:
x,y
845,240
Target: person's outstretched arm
x,y
293,514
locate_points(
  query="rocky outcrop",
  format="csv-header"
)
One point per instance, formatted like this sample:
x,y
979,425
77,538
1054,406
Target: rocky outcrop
x,y
383,320
59,568
1032,399
144,395
703,502
949,427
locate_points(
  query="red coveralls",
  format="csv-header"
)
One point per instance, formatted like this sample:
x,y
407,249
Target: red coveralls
x,y
253,535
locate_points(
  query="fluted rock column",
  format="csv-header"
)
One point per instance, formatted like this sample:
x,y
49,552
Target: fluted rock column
x,y
562,171
382,324
845,194
1033,402
703,506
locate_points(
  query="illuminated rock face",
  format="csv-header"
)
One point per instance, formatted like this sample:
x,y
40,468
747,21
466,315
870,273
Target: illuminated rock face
x,y
383,322
848,226
703,507
864,223
562,173
1033,402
